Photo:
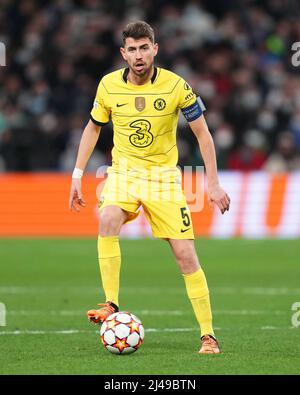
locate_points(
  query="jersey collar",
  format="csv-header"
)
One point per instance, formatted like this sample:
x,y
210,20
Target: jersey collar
x,y
126,71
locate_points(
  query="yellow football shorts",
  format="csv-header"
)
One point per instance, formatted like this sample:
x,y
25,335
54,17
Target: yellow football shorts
x,y
164,204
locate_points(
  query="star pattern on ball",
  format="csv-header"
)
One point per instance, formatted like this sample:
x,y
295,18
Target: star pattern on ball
x,y
111,324
134,327
121,344
123,333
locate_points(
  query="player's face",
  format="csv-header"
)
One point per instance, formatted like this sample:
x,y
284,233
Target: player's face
x,y
139,55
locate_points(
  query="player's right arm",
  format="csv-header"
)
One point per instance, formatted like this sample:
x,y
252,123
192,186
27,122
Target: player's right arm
x,y
87,144
99,116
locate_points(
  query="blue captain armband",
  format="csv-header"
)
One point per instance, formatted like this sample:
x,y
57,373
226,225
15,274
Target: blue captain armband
x,y
193,111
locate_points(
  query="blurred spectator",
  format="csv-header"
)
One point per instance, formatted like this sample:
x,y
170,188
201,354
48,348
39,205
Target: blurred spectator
x,y
285,158
224,140
236,55
250,155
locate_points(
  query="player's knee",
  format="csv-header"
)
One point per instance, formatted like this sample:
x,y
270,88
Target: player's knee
x,y
187,261
110,222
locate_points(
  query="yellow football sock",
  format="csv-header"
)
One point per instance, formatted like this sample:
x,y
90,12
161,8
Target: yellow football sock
x,y
198,294
110,263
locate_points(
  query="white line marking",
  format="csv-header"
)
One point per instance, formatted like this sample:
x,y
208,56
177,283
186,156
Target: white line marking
x,y
251,312
145,312
153,330
15,289
268,327
83,312
40,332
76,331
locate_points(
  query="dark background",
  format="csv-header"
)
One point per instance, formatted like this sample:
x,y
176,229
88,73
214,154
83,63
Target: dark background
x,y
235,54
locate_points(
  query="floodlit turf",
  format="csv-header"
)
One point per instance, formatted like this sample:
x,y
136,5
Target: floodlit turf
x,y
47,286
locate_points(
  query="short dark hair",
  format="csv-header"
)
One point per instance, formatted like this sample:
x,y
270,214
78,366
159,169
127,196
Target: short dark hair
x,y
137,30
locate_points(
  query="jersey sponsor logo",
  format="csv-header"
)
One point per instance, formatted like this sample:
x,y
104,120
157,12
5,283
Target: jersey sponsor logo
x,y
121,105
142,137
140,103
184,230
159,104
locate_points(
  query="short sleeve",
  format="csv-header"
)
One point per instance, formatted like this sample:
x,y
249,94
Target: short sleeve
x,y
191,106
186,95
100,112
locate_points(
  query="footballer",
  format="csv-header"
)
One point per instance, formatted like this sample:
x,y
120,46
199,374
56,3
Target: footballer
x,y
144,103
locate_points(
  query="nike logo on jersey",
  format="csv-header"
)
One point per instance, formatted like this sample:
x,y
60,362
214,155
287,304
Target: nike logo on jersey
x,y
120,105
184,230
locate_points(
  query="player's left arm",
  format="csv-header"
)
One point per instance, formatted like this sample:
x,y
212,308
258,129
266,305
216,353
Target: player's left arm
x,y
192,109
216,194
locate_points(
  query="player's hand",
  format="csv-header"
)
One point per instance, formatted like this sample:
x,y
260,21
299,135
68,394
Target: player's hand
x,y
76,199
216,195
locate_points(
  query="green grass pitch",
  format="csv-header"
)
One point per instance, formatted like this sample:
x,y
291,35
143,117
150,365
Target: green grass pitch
x,y
47,286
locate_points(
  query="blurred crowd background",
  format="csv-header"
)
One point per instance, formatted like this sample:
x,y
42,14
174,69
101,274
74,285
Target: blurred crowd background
x,y
235,54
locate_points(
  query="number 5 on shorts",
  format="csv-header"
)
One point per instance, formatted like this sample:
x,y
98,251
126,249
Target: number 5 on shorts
x,y
185,217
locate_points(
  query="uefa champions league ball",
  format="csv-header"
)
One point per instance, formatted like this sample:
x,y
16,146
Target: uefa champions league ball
x,y
122,333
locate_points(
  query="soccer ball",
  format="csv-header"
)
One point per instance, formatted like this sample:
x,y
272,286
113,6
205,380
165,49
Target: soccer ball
x,y
122,333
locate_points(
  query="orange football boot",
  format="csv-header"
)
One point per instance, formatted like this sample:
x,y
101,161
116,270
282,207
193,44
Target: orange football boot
x,y
98,316
209,345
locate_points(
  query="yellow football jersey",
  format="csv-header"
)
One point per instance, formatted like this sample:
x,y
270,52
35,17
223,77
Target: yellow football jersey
x,y
144,117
